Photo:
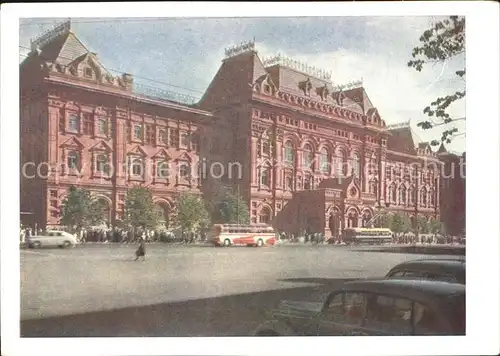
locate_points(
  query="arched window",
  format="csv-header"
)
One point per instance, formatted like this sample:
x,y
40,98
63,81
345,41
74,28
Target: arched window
x,y
163,169
307,156
265,176
324,160
411,195
402,195
423,197
394,193
265,216
102,163
137,167
356,165
184,170
432,197
266,147
340,166
373,187
289,153
73,159
307,183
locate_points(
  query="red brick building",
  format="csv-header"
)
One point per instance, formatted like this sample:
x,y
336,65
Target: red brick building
x,y
312,156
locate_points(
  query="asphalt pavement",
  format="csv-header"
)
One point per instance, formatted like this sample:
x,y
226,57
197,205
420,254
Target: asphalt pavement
x,y
99,290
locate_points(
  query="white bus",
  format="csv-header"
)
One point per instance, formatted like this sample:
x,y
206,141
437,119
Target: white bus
x,y
367,236
249,235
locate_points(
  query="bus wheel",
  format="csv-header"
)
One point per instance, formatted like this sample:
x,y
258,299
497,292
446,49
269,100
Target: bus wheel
x,y
260,243
227,243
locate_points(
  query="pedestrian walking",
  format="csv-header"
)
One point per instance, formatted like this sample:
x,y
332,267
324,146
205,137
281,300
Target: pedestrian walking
x,y
141,251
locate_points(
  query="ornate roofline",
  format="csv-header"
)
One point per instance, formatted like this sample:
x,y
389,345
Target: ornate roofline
x,y
233,51
298,66
50,34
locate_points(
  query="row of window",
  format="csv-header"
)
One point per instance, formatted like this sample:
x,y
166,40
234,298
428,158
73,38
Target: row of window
x,y
145,133
87,126
404,195
136,166
407,174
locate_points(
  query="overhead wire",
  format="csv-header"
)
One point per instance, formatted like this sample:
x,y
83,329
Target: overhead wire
x,y
135,76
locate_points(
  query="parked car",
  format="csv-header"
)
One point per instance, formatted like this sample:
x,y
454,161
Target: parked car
x,y
382,307
448,270
52,239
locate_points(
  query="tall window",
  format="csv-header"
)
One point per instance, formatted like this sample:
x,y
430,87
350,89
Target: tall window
x,y
307,156
162,137
411,195
138,132
394,193
323,160
356,165
423,197
102,126
433,197
307,183
137,167
174,137
73,160
73,123
195,142
339,164
265,216
388,172
402,195
289,152
184,170
150,135
288,183
265,177
184,139
88,125
373,187
102,163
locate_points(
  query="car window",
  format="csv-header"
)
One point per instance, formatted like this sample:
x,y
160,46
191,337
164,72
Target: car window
x,y
413,274
389,314
425,320
396,274
346,308
440,277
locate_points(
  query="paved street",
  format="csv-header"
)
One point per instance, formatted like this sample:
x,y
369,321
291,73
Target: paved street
x,y
98,290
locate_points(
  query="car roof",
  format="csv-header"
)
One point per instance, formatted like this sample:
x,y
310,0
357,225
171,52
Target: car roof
x,y
409,287
437,263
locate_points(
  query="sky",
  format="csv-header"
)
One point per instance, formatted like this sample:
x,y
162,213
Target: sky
x,y
183,55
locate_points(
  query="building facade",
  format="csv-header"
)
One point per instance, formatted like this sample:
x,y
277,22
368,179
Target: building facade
x,y
304,154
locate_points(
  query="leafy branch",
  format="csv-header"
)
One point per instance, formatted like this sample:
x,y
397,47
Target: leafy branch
x,y
445,40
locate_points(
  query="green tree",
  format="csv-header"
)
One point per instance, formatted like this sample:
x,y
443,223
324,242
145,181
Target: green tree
x,y
229,208
399,223
442,42
191,214
384,221
423,225
80,210
436,227
140,211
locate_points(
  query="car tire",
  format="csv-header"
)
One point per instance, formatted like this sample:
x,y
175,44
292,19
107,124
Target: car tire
x,y
36,244
260,243
227,243
66,244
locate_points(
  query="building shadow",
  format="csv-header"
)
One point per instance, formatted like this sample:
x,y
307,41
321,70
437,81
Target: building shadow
x,y
234,315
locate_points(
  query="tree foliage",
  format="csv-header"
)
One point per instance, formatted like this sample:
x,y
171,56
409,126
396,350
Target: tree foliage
x,y
436,227
191,214
443,41
80,210
399,223
140,210
229,208
423,225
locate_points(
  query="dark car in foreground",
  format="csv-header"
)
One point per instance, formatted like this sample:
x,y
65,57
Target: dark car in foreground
x,y
383,307
448,270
